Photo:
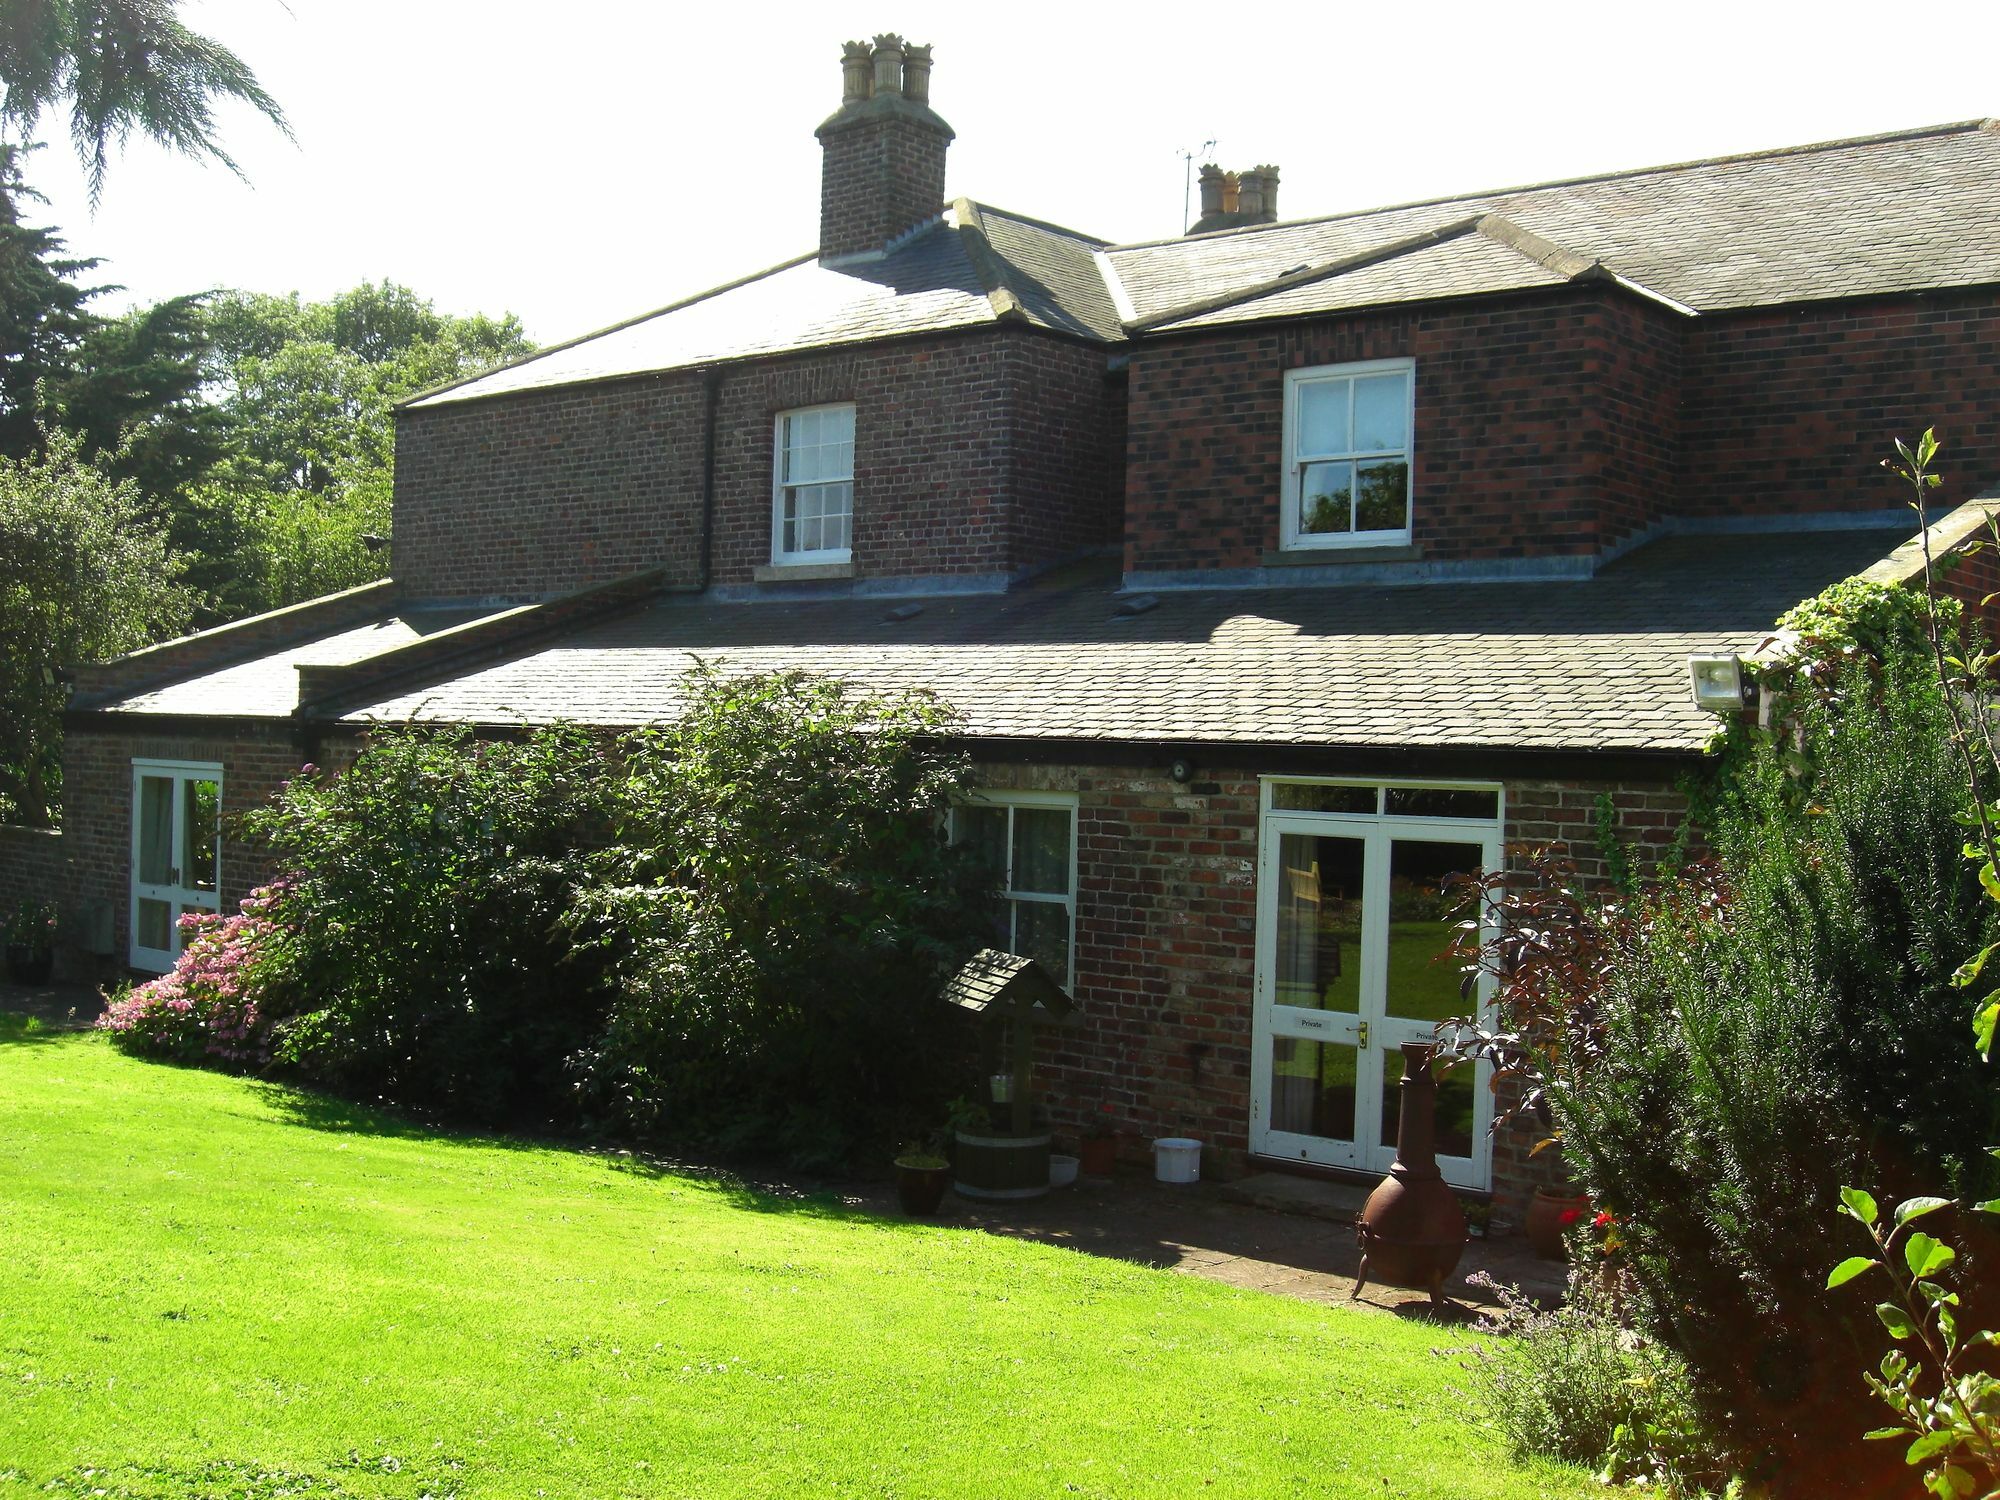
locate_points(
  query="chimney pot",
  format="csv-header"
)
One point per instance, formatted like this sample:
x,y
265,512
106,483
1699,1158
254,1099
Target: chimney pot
x,y
855,72
889,64
1250,195
917,74
1270,190
1231,186
1211,189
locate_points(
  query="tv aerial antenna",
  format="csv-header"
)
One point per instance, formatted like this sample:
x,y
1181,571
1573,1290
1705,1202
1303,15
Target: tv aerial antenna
x,y
1206,151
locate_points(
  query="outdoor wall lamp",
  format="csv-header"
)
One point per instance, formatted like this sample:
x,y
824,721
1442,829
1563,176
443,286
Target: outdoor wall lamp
x,y
1721,686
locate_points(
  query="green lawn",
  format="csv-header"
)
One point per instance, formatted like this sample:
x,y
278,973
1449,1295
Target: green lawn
x,y
217,1288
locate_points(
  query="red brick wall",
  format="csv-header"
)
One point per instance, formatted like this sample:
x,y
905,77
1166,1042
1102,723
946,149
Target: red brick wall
x,y
1531,417
528,495
97,830
1166,948
879,177
540,493
1068,494
1633,434
1794,410
31,867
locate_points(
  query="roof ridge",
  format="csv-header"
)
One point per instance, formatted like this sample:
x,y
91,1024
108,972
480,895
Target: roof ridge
x,y
1307,275
987,264
1029,219
1955,127
597,333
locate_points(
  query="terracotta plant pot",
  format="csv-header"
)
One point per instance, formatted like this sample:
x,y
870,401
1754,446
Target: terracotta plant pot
x,y
920,1190
1549,1216
1099,1156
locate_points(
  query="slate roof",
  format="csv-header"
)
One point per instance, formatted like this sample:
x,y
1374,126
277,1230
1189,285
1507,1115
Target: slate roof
x,y
267,686
1846,218
1585,665
1907,211
974,267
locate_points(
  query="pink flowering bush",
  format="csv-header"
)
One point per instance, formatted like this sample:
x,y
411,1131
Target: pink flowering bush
x,y
209,1008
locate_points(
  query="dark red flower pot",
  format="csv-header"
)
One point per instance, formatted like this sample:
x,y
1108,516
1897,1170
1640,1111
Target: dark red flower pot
x,y
1098,1156
1550,1216
921,1189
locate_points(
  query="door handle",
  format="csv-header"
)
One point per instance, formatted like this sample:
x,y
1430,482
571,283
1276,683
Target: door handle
x,y
1364,1034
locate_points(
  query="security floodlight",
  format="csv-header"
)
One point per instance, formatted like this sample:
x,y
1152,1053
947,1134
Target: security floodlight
x,y
1719,684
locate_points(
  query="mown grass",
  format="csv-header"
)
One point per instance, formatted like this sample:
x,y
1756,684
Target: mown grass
x,y
218,1288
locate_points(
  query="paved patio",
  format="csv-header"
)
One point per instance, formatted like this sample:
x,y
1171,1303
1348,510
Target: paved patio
x,y
1290,1236
1207,1229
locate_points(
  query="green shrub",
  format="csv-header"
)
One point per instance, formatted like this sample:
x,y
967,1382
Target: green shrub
x,y
419,955
1753,1055
784,905
1575,1384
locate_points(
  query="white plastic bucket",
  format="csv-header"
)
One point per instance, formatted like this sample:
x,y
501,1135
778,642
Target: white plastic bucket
x,y
1177,1159
1062,1170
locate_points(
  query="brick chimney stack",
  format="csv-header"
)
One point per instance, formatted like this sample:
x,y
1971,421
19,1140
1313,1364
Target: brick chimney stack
x,y
882,165
1229,200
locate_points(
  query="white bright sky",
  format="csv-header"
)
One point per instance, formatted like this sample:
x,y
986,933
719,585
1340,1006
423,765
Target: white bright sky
x,y
580,162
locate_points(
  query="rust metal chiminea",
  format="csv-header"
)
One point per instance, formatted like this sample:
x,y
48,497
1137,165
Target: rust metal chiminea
x,y
1412,1231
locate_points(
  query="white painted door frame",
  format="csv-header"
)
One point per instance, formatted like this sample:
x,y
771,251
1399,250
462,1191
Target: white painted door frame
x,y
179,891
1371,1028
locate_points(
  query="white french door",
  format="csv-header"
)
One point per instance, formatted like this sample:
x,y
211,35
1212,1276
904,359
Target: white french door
x,y
1353,909
176,855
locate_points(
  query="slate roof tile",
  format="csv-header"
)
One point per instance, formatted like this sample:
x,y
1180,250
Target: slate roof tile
x,y
1596,664
1912,210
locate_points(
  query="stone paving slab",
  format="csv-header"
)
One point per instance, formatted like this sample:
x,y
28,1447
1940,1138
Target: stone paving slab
x,y
1208,1229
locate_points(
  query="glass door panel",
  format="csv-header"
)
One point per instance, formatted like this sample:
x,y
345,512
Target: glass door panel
x,y
156,830
201,832
1424,985
1314,1086
1457,1107
1319,922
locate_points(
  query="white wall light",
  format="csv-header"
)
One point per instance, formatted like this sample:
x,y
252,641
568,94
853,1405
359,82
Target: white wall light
x,y
1720,684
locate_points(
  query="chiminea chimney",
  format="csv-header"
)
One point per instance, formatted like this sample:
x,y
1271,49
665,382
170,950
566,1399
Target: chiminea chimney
x,y
882,163
1229,200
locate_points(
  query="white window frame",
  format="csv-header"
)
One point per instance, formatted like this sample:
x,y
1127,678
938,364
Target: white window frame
x,y
816,556
1068,802
1292,538
175,893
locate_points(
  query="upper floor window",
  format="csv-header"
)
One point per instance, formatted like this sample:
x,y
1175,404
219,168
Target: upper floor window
x,y
812,500
1347,454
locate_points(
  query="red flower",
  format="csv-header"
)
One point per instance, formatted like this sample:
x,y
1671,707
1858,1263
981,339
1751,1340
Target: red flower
x,y
1604,1220
1569,1216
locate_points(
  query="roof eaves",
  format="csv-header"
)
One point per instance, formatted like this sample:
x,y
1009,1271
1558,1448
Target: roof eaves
x,y
597,333
1306,275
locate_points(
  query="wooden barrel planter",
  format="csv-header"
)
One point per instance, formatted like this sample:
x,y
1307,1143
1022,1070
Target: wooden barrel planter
x,y
1000,1166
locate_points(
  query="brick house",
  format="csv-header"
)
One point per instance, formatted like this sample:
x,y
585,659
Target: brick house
x,y
1276,571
